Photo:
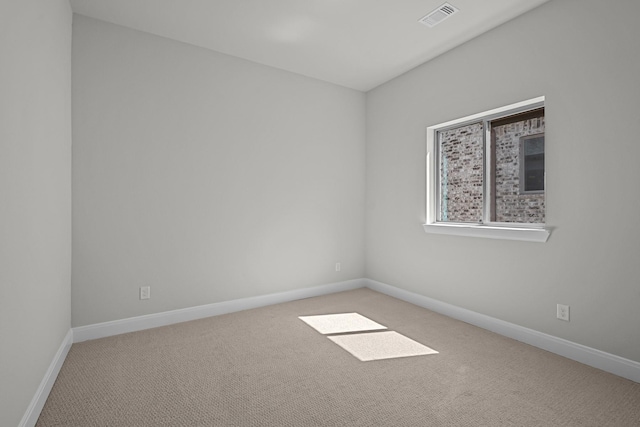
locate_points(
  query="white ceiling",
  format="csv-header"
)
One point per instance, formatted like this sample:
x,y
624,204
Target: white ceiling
x,y
354,43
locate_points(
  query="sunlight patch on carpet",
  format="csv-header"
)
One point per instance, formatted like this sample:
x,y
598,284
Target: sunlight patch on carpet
x,y
381,345
341,323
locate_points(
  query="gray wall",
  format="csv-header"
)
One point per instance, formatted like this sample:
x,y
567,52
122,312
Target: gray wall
x,y
205,176
583,56
35,195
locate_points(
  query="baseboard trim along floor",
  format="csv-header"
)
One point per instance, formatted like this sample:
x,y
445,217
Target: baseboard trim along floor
x,y
139,323
37,403
589,356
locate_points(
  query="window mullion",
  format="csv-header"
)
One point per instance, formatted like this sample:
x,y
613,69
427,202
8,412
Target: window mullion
x,y
437,176
487,184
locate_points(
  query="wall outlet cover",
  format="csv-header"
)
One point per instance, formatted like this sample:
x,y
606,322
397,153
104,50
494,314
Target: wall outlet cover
x,y
145,292
563,312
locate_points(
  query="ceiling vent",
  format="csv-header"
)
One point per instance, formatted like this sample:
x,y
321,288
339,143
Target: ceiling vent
x,y
437,16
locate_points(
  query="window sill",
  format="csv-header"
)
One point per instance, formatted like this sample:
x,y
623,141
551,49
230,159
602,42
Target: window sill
x,y
490,232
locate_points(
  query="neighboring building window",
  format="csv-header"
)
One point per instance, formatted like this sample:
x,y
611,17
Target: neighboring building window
x,y
532,164
488,170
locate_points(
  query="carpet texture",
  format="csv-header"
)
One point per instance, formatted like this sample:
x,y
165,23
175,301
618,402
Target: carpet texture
x,y
265,367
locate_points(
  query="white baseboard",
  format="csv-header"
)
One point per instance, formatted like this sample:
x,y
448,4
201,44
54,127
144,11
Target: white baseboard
x,y
589,356
37,403
132,324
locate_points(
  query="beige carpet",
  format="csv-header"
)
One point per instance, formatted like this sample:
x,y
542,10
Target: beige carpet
x,y
266,367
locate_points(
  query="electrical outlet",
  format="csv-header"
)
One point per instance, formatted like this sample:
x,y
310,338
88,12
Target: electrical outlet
x,y
563,312
337,266
145,292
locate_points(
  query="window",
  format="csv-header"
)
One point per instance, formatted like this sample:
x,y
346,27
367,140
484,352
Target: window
x,y
486,174
532,164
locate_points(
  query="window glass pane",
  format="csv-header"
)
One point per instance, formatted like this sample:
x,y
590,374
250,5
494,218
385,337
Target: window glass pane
x,y
519,171
461,173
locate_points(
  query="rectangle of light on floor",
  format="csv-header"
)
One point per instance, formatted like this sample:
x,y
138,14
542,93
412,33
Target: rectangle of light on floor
x,y
381,345
341,323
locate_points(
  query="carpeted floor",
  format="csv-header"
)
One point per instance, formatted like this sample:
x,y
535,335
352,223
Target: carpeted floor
x,y
266,367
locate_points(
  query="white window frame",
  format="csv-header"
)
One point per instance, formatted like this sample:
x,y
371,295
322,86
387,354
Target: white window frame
x,y
491,230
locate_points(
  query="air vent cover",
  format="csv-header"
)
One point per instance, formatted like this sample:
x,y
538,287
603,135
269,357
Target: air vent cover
x,y
437,16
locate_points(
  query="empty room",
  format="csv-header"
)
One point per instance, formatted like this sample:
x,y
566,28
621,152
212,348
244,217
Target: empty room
x,y
319,213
